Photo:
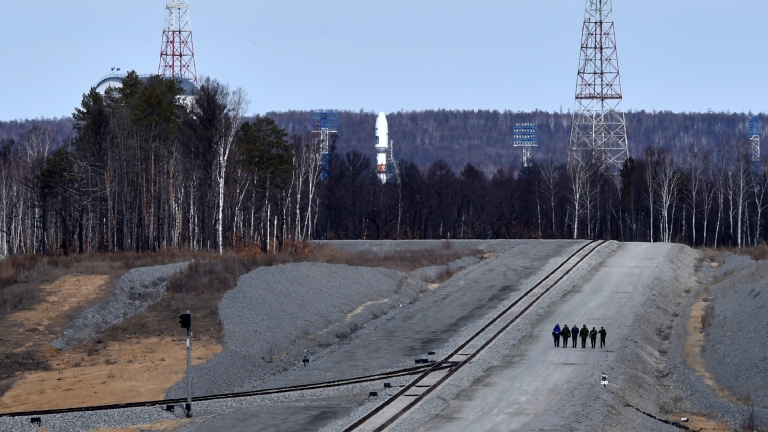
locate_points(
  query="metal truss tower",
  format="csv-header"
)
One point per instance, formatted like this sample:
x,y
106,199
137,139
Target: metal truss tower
x,y
526,135
598,126
754,139
324,124
177,54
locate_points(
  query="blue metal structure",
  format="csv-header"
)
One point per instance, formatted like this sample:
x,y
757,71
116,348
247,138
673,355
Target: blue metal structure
x,y
325,119
324,123
526,135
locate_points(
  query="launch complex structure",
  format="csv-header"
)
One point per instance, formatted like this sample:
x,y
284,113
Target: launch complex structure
x,y
325,124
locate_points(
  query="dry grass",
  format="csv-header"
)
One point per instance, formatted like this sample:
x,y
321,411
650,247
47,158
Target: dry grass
x,y
757,253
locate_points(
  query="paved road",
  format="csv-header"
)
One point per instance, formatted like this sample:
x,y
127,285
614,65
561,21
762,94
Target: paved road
x,y
529,383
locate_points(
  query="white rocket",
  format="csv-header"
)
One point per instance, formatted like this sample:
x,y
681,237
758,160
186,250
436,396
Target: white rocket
x,y
382,146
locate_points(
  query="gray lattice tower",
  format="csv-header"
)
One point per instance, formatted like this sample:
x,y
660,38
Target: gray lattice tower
x,y
598,121
754,139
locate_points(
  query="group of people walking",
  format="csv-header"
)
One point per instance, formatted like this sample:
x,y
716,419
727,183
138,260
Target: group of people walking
x,y
574,333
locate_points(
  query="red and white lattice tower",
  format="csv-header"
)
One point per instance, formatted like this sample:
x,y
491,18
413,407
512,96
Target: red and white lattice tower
x,y
177,54
599,127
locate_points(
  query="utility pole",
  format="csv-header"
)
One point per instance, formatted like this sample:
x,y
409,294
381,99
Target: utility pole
x,y
186,322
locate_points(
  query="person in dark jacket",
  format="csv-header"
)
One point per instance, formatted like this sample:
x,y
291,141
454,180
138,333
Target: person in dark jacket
x,y
593,337
565,333
602,336
574,335
584,332
556,335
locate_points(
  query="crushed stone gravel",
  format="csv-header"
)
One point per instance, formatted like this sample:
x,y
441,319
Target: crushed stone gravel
x,y
134,292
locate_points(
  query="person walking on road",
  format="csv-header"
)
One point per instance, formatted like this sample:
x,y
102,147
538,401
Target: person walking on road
x,y
584,333
602,337
574,335
556,335
565,333
593,337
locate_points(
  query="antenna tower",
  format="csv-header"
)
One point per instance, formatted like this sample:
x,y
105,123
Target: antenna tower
x,y
177,55
526,135
598,121
324,124
754,139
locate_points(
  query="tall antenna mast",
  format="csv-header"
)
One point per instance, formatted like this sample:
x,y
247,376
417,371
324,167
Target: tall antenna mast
x,y
598,121
177,54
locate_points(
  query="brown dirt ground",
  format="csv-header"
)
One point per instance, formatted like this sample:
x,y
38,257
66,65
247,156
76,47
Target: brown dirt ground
x,y
39,324
162,426
692,350
699,423
127,369
692,353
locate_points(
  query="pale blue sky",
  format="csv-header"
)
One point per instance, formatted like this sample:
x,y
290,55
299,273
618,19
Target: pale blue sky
x,y
678,55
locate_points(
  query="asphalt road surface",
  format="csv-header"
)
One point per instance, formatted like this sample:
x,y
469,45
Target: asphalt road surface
x,y
529,384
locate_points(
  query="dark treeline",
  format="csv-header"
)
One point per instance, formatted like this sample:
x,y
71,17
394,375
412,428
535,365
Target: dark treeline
x,y
149,169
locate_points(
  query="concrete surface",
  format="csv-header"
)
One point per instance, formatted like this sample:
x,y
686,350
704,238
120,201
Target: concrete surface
x,y
531,382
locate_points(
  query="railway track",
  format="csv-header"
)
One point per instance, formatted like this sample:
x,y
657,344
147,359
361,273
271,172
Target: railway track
x,y
278,390
408,397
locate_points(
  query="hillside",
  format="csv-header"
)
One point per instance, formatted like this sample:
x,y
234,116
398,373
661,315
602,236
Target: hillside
x,y
483,138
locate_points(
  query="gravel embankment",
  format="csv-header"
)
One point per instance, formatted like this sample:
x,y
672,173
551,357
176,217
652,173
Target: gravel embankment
x,y
732,351
740,303
468,247
275,313
135,291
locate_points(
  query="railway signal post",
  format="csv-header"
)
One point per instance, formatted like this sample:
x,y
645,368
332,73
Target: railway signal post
x,y
186,322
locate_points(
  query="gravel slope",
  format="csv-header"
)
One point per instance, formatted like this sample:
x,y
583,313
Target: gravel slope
x,y
275,313
135,291
733,349
740,304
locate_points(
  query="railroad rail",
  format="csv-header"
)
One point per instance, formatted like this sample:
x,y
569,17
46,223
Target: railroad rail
x,y
409,396
278,390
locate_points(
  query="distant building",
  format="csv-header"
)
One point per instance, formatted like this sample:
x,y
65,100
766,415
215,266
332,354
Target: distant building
x,y
116,80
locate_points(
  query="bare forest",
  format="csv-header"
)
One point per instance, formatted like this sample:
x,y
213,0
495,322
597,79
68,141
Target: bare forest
x,y
147,169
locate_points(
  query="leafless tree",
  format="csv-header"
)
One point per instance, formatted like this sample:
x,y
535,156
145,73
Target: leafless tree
x,y
550,176
696,184
650,179
668,181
